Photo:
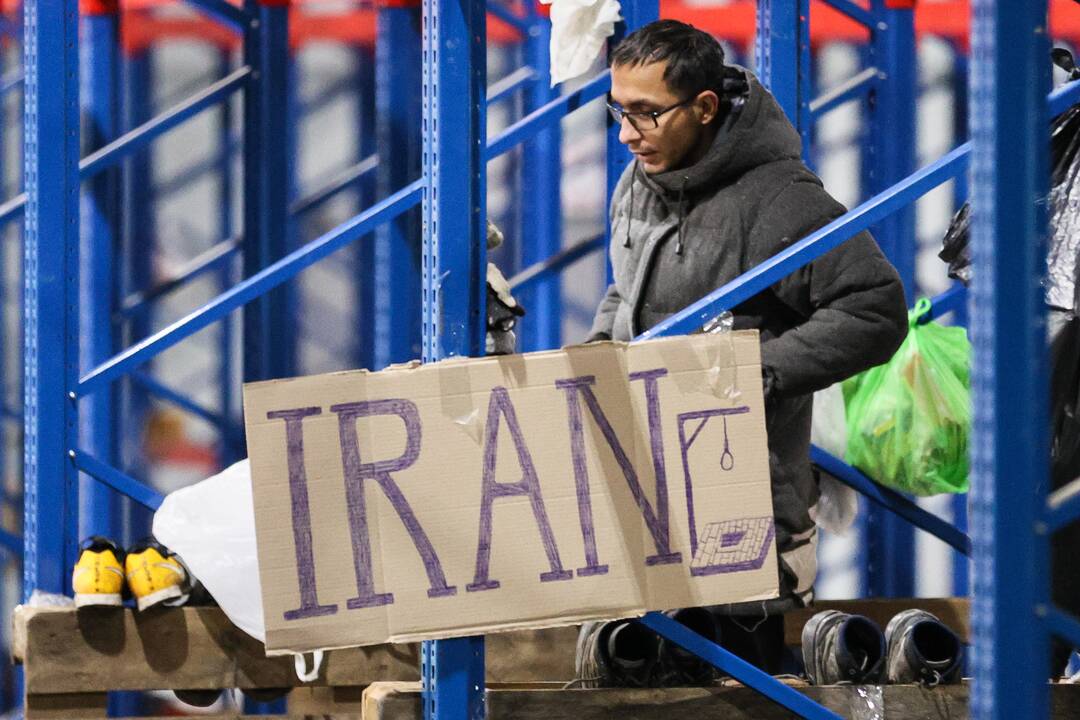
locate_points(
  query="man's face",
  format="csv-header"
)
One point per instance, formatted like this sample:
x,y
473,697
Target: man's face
x,y
679,131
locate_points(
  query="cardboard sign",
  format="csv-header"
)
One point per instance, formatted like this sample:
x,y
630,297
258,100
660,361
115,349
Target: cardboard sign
x,y
477,495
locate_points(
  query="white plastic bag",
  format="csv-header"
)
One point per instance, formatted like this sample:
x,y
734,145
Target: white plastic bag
x,y
211,526
829,427
578,31
838,504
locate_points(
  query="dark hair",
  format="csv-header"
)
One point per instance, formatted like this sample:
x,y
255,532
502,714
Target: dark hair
x,y
695,60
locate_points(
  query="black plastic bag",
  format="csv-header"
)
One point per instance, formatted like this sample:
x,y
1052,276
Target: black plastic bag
x,y
1064,207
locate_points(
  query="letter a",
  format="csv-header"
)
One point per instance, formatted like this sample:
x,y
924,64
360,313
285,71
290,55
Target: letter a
x,y
499,405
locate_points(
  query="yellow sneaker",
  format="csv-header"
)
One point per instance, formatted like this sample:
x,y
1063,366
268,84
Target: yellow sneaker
x,y
98,576
155,575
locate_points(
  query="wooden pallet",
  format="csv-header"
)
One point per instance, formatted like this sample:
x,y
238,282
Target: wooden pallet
x,y
73,658
401,701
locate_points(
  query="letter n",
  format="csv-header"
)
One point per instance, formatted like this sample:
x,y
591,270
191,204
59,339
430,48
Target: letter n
x,y
656,519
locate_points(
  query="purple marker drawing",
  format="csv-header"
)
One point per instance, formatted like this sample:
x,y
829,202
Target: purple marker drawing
x,y
379,471
301,513
684,447
500,405
733,546
656,520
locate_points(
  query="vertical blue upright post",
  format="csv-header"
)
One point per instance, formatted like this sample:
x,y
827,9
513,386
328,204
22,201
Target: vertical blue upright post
x,y
98,504
50,279
541,225
269,327
365,250
397,244
454,257
138,245
961,564
226,327
1010,452
889,156
783,59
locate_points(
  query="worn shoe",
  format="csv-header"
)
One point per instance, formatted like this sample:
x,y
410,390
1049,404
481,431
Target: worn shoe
x,y
842,648
155,575
618,653
98,576
680,667
922,649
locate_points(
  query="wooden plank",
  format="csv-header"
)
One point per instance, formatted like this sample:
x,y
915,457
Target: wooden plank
x,y
401,701
67,706
97,649
341,703
954,612
65,650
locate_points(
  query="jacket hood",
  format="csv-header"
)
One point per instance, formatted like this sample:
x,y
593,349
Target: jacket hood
x,y
753,135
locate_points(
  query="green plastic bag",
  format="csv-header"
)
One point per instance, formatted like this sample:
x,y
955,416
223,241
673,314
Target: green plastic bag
x,y
909,419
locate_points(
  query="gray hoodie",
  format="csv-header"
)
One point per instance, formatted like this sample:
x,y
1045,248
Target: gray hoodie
x,y
679,235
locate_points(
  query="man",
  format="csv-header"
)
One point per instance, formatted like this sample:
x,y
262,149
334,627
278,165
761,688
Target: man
x,y
717,187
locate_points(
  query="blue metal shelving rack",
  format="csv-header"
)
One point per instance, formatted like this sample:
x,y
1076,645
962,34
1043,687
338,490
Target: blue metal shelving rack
x,y
68,378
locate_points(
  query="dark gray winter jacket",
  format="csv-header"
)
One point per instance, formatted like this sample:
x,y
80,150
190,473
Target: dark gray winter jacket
x,y
679,235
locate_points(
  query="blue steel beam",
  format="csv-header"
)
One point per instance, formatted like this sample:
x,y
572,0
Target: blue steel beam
x,y
1063,507
890,153
233,433
247,290
398,290
507,86
1062,98
215,258
853,89
813,246
1010,455
101,225
363,265
783,59
952,300
111,154
223,12
540,204
269,339
139,244
888,157
118,481
50,280
183,179
11,81
555,264
228,396
454,265
855,12
890,500
11,542
737,668
1060,623
12,209
341,181
549,114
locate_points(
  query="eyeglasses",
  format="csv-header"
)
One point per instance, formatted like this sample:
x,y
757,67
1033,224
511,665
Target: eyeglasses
x,y
642,120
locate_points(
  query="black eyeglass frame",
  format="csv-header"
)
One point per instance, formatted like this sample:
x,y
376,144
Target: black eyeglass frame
x,y
618,113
